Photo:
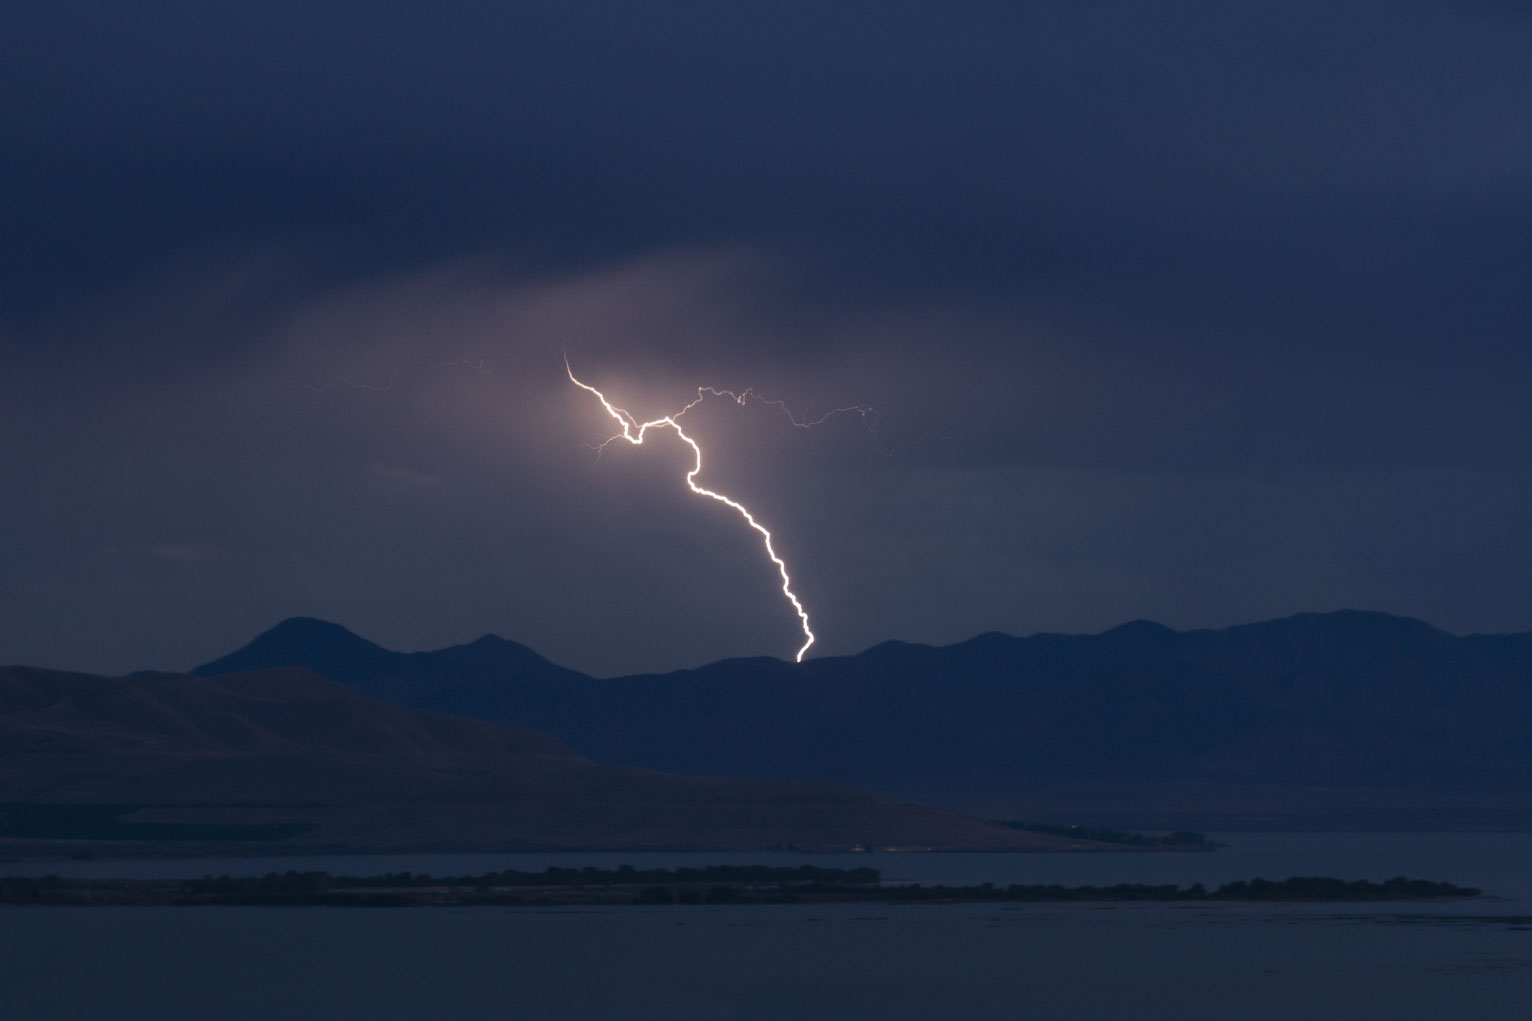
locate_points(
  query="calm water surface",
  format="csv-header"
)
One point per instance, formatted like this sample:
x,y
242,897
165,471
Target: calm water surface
x,y
1399,961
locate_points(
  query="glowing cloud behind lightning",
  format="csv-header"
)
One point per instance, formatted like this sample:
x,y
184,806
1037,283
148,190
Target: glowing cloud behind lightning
x,y
634,432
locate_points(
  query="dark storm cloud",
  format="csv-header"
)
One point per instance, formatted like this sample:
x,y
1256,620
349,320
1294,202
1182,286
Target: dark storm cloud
x,y
1201,313
1073,145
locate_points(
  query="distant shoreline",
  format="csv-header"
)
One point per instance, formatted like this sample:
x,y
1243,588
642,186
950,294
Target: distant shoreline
x,y
37,853
627,886
60,835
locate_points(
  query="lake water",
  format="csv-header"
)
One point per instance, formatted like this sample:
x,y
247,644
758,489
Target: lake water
x,y
1466,959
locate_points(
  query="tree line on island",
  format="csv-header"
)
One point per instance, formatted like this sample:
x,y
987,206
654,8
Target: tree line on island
x,y
718,884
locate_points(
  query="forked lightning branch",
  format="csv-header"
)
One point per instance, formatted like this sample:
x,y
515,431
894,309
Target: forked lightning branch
x,y
634,432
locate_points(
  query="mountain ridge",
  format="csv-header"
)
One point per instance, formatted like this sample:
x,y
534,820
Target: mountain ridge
x,y
1345,699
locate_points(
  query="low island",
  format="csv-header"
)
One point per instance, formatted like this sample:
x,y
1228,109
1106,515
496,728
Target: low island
x,y
718,884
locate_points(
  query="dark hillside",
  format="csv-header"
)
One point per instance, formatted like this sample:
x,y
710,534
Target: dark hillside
x,y
1316,706
286,756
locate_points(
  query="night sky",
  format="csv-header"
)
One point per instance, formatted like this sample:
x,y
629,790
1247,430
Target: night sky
x,y
1202,313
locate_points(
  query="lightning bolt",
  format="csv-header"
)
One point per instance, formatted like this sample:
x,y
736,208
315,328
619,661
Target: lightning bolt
x,y
634,431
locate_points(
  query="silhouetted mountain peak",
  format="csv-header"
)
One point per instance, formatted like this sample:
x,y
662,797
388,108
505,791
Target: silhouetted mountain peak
x,y
492,645
990,645
1140,628
469,679
306,631
307,642
1140,635
1372,620
310,629
1344,626
892,650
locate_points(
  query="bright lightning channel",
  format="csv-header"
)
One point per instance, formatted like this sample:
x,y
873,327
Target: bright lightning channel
x,y
634,432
